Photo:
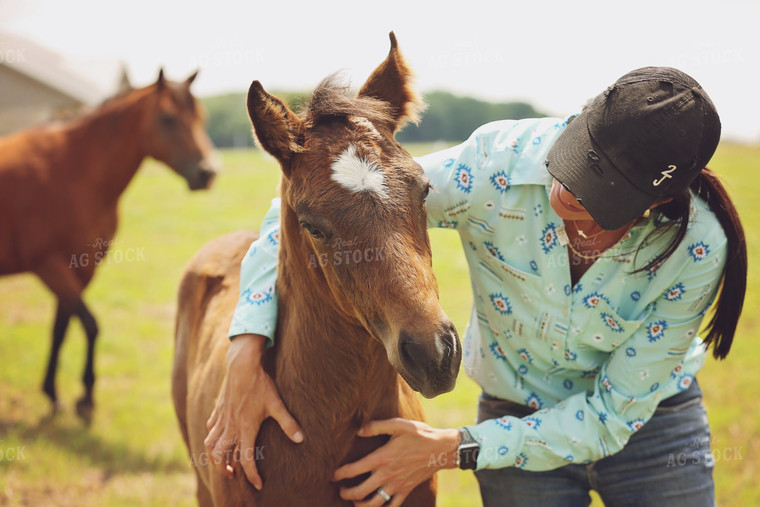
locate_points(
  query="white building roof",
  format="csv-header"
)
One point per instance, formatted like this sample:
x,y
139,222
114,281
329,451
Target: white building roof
x,y
53,70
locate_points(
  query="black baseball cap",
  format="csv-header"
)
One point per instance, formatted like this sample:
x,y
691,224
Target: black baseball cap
x,y
643,139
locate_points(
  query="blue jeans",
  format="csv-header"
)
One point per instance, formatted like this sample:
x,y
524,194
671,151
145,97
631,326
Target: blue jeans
x,y
667,462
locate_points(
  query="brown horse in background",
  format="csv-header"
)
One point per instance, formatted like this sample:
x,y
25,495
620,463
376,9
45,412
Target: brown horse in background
x,y
59,189
357,325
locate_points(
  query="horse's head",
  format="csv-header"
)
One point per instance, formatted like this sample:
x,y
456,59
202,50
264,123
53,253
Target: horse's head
x,y
176,135
354,202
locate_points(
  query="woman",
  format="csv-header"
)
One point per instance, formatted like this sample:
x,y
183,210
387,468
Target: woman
x,y
596,245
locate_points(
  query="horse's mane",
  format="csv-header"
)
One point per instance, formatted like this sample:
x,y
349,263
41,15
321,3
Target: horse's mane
x,y
333,98
84,113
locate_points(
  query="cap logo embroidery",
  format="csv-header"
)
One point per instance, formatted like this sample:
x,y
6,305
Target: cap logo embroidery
x,y
665,175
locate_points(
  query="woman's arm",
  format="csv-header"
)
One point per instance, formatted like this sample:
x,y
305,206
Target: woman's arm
x,y
248,394
256,310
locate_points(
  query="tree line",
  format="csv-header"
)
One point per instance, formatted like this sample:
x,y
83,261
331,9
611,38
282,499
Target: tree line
x,y
448,117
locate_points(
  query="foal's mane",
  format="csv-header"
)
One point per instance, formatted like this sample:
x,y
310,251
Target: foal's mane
x,y
333,98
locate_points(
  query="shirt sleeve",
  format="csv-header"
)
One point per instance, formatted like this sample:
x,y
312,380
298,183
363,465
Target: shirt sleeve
x,y
454,174
256,310
477,171
589,426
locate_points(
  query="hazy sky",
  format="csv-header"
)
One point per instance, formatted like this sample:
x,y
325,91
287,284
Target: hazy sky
x,y
554,54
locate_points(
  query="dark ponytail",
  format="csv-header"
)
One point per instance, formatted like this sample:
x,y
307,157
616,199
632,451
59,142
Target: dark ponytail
x,y
722,325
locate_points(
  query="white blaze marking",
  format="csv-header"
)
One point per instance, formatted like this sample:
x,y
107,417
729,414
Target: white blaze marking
x,y
358,174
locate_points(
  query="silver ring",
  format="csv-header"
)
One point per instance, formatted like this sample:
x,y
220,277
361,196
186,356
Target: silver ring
x,y
384,495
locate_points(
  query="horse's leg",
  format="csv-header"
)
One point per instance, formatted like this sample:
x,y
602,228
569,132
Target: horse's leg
x,y
85,404
61,279
62,317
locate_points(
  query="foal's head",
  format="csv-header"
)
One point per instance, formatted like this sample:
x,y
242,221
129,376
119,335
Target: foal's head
x,y
356,202
176,135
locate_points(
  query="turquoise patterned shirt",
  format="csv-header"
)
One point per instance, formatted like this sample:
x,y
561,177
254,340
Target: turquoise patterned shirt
x,y
595,358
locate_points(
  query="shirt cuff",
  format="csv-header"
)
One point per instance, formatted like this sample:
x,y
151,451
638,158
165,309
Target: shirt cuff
x,y
241,326
504,452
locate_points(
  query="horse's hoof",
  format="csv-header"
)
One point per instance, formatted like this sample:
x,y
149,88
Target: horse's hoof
x,y
55,409
85,410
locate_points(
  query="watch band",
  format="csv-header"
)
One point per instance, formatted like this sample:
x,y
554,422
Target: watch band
x,y
467,452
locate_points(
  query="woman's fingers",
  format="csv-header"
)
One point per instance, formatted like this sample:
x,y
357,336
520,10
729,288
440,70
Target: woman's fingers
x,y
378,501
399,465
374,460
398,499
386,427
212,418
222,455
361,491
279,413
375,501
248,455
368,463
212,438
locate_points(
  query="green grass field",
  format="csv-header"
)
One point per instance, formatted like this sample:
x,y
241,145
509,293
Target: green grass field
x,y
133,454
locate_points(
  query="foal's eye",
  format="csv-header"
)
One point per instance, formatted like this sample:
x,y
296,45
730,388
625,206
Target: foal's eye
x,y
426,191
315,233
167,120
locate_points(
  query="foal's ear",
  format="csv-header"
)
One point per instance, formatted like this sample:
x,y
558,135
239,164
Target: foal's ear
x,y
161,81
191,78
125,84
277,128
392,82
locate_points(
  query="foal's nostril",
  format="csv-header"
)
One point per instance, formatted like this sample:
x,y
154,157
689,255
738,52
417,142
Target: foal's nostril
x,y
413,356
430,362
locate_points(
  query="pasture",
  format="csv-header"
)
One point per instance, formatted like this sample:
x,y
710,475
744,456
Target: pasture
x,y
133,453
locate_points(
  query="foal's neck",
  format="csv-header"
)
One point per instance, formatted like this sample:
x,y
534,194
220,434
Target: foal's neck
x,y
327,362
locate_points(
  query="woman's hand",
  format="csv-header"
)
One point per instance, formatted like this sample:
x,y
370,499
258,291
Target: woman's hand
x,y
248,397
412,455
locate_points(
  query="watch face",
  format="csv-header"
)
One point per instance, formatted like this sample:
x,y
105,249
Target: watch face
x,y
468,456
467,452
